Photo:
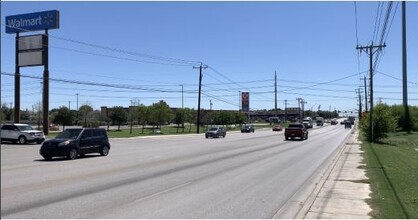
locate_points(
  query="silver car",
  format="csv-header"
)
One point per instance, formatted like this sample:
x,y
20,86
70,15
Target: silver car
x,y
21,133
215,132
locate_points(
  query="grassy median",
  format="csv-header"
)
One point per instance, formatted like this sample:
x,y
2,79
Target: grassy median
x,y
165,130
392,168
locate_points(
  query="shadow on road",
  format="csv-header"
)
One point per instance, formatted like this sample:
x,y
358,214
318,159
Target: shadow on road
x,y
59,159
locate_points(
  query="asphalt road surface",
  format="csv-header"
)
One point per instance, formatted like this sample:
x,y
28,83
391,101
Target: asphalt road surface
x,y
252,175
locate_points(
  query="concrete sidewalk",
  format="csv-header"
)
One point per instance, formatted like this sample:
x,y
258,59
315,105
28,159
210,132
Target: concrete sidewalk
x,y
343,193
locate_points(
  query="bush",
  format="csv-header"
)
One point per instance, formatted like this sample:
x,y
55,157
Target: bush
x,y
383,122
399,112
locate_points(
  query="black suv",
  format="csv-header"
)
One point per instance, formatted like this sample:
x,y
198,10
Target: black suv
x,y
76,141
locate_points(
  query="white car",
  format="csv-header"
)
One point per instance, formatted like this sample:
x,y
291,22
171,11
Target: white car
x,y
21,133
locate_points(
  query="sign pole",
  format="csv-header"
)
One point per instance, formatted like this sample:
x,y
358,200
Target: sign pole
x,y
17,82
46,86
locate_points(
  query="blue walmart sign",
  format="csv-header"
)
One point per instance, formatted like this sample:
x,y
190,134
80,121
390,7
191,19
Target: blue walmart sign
x,y
32,22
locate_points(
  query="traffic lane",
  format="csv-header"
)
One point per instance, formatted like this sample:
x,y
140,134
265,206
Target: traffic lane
x,y
233,195
127,178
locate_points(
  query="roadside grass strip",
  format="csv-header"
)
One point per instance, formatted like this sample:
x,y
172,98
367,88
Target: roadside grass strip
x,y
392,167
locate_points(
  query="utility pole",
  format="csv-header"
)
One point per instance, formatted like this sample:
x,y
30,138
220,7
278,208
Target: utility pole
x,y
303,107
407,124
285,110
365,94
275,94
76,120
182,97
200,92
69,105
358,91
369,50
299,100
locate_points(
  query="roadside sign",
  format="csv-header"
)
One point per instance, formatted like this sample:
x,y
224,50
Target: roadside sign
x,y
34,58
245,97
33,42
32,22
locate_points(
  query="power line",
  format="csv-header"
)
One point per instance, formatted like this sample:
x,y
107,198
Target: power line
x,y
131,53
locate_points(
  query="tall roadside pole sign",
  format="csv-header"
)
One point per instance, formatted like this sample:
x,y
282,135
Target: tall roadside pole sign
x,y
245,103
32,50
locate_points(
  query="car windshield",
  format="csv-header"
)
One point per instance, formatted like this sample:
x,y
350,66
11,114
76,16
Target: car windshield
x,y
247,126
24,127
69,134
213,129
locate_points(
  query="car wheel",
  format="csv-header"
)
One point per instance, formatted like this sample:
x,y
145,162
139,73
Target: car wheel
x,y
47,157
206,136
72,154
306,137
22,140
105,151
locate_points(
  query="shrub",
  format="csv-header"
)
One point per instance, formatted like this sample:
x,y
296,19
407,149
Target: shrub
x,y
383,122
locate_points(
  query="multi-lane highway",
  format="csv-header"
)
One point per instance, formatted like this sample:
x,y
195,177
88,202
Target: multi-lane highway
x,y
251,175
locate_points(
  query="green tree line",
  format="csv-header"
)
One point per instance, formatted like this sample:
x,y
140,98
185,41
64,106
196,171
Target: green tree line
x,y
388,119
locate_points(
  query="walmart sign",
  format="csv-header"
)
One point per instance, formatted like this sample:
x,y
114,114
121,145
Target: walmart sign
x,y
32,22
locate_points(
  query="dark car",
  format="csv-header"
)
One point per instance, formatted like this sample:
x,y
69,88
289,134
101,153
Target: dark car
x,y
215,132
247,129
76,141
347,124
296,130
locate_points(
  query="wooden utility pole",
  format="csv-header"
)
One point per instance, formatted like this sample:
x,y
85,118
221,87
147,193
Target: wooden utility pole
x,y
365,95
275,94
200,92
370,51
285,110
358,91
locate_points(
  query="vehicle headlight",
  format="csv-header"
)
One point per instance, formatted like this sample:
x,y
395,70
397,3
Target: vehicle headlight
x,y
64,144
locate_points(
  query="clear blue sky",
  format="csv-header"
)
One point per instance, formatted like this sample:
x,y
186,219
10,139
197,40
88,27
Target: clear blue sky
x,y
308,43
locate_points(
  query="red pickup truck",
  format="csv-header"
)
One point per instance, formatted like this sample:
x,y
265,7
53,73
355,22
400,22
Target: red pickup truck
x,y
296,130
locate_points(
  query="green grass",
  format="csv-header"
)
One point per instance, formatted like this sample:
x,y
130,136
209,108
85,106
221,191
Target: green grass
x,y
392,167
166,130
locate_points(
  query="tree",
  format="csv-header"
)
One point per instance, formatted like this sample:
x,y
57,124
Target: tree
x,y
7,112
142,115
131,116
383,122
239,118
84,110
119,115
189,117
179,119
64,116
160,113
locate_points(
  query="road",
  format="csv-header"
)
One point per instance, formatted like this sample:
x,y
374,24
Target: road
x,y
255,175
